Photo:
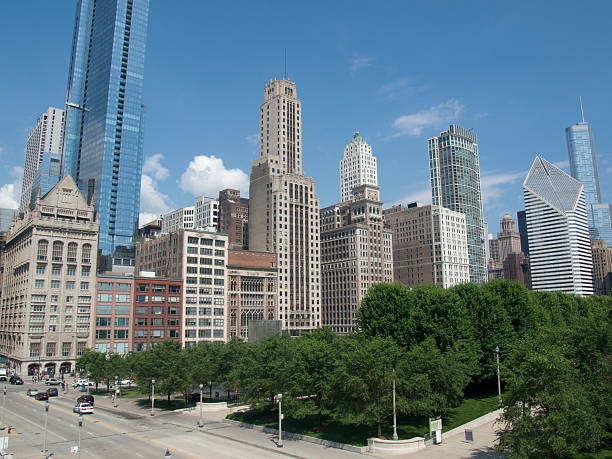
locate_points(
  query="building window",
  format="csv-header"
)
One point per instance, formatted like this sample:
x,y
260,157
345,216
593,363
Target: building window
x,y
120,334
157,310
58,249
142,310
43,245
86,253
50,349
71,253
122,322
66,349
34,349
56,270
122,310
122,298
102,334
39,283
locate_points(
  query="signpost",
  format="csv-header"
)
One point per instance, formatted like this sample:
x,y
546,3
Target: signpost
x,y
435,425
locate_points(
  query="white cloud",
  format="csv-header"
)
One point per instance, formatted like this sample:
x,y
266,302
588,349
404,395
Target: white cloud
x,y
396,88
154,168
151,199
479,116
423,196
10,193
434,117
563,165
495,185
358,62
253,139
146,217
206,175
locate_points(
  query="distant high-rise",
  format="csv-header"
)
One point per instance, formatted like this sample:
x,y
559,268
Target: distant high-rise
x,y
559,246
104,130
455,184
522,224
234,218
357,167
48,174
284,209
583,167
45,137
178,219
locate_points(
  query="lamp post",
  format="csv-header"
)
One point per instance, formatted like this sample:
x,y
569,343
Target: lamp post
x,y
152,397
79,443
394,417
200,421
499,399
210,390
279,399
45,435
116,391
3,405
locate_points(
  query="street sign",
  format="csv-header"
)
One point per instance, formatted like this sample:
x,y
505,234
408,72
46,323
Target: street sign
x,y
74,449
469,435
3,442
435,424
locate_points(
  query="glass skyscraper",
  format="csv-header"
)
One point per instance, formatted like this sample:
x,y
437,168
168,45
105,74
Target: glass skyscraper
x,y
455,184
105,114
583,167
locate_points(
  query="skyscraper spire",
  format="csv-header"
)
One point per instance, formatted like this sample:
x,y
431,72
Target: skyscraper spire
x,y
581,110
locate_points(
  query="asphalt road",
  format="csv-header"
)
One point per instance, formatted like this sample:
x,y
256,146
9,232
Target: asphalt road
x,y
110,433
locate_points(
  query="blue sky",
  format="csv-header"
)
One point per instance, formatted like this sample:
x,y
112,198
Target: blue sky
x,y
399,72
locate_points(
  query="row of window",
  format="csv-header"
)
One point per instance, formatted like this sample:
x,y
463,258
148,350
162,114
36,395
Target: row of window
x,y
204,333
206,241
56,284
190,311
56,270
58,250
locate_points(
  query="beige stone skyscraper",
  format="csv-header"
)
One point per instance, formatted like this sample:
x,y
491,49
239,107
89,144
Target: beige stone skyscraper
x,y
284,209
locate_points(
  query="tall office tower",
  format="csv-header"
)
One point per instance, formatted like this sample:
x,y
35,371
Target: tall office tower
x,y
206,212
199,258
6,219
49,285
46,136
104,130
234,218
178,219
521,218
602,267
455,184
509,239
357,167
48,174
559,246
583,167
284,209
356,253
419,232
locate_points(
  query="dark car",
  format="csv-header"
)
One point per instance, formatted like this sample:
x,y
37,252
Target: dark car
x,y
16,380
42,396
52,392
86,399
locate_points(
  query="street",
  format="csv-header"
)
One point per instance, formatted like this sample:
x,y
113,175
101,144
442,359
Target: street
x,y
130,431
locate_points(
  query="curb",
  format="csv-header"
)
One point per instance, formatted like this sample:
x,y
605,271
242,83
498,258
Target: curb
x,y
317,441
493,415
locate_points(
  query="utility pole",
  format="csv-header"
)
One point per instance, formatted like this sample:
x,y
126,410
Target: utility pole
x,y
3,405
499,399
200,421
279,399
394,417
45,435
79,443
152,397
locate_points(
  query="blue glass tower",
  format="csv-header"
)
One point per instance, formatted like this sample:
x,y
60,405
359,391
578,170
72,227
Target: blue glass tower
x,y
47,175
583,167
104,112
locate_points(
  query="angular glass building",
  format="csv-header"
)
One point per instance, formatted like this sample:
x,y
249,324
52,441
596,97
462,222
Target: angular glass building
x,y
47,175
583,167
105,113
455,184
559,246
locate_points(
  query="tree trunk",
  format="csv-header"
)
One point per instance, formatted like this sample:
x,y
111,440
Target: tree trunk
x,y
168,398
379,430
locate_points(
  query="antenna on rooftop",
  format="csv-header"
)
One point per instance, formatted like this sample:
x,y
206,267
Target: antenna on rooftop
x,y
581,110
285,63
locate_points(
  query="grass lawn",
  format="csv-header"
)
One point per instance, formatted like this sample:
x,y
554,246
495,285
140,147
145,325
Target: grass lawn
x,y
329,429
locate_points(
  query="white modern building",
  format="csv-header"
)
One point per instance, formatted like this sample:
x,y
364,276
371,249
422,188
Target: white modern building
x,y
46,136
284,209
357,167
182,218
558,231
206,212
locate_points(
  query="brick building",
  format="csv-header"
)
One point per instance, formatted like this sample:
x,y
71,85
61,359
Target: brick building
x,y
234,218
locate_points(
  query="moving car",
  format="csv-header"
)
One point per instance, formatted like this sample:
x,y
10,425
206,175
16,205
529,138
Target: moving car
x,y
16,380
83,408
52,382
31,392
86,399
41,396
82,382
52,392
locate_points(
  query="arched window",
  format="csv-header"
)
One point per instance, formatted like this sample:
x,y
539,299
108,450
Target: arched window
x,y
42,249
86,253
233,319
71,255
58,249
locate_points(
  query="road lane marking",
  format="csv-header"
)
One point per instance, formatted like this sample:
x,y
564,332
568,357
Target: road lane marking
x,y
33,423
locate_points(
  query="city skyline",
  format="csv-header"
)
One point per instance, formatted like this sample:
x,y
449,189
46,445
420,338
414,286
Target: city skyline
x,y
364,88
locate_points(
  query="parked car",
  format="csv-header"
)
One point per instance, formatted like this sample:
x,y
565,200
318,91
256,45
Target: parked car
x,y
127,382
83,408
82,382
52,382
16,380
41,396
86,399
31,392
52,391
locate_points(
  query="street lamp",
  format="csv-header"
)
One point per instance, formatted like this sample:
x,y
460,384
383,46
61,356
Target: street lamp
x,y
499,399
210,390
116,391
45,436
279,398
3,405
79,443
200,421
152,397
394,417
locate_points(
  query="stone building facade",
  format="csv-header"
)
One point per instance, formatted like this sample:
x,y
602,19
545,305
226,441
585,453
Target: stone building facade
x,y
46,317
